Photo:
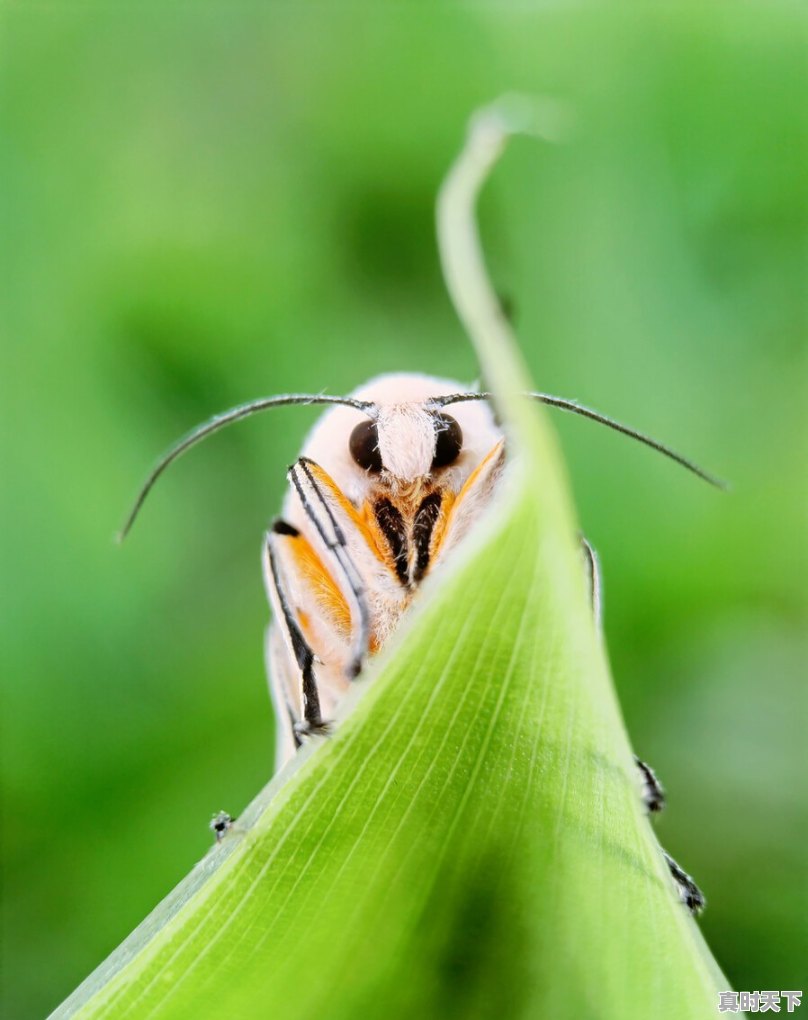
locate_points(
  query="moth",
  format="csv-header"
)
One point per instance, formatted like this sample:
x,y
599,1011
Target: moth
x,y
220,824
388,483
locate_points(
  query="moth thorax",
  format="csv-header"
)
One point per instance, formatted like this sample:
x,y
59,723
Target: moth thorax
x,y
406,440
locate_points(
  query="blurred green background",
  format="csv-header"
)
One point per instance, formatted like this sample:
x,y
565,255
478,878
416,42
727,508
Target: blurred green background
x,y
208,203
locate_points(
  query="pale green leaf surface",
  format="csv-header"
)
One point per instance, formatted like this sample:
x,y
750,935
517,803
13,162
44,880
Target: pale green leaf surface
x,y
469,843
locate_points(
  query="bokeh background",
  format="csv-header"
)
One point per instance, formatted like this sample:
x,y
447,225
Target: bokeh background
x,y
206,203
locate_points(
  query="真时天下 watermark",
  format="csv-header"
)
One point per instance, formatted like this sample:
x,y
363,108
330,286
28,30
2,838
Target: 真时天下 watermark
x,y
758,1002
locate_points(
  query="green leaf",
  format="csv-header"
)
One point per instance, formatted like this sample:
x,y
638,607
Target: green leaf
x,y
471,841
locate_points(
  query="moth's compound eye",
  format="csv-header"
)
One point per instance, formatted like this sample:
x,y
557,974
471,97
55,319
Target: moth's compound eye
x,y
448,441
364,446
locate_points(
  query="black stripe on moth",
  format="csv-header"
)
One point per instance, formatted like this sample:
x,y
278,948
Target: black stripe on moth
x,y
339,548
689,892
282,527
302,651
424,524
391,523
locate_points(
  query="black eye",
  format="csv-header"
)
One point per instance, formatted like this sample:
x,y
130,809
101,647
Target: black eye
x,y
364,446
448,441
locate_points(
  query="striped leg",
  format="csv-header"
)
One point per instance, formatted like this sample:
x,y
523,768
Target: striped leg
x,y
653,794
320,499
295,641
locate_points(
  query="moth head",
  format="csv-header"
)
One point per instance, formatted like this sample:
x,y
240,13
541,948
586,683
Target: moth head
x,y
407,441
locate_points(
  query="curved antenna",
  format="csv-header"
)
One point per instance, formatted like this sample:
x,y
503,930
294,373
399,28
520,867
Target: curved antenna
x,y
587,412
220,421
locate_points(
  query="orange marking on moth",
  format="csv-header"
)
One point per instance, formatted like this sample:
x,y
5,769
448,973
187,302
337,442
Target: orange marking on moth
x,y
340,614
318,579
364,521
304,622
442,524
442,527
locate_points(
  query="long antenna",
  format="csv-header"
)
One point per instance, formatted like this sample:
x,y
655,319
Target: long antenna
x,y
220,421
587,412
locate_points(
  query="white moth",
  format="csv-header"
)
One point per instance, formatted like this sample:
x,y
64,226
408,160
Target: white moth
x,y
387,484
376,502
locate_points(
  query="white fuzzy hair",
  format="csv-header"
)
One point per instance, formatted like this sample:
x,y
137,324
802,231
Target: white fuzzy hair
x,y
406,431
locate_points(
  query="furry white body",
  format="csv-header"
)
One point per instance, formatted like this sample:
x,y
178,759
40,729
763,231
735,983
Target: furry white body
x,y
406,443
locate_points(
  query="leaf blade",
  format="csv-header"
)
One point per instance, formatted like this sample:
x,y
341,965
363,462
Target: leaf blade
x,y
471,839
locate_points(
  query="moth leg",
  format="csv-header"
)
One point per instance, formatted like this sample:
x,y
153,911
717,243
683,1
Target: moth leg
x,y
593,574
284,687
320,500
653,796
689,893
313,721
653,792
